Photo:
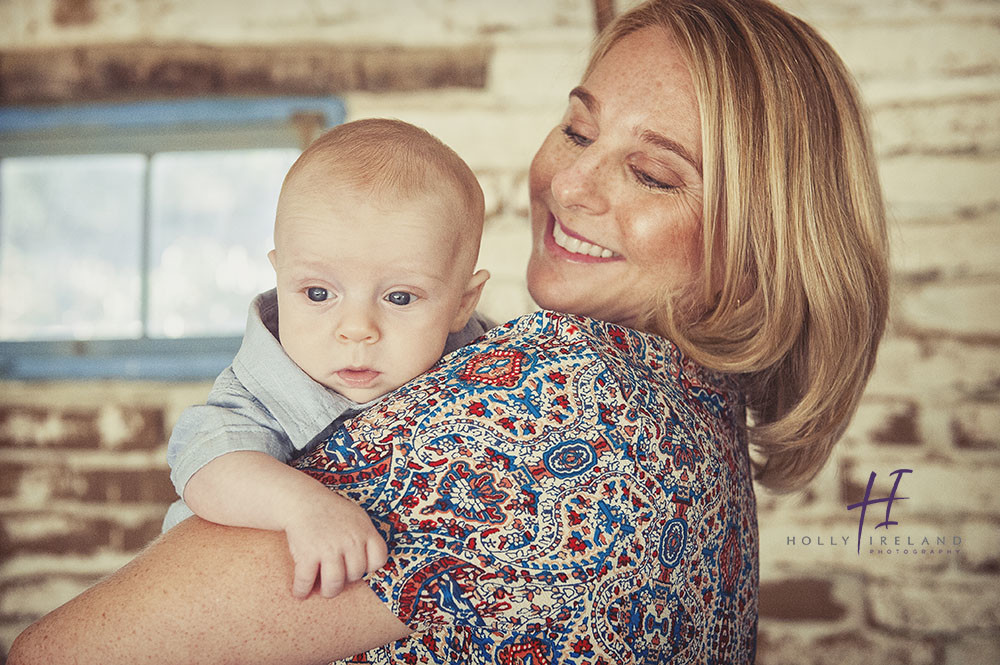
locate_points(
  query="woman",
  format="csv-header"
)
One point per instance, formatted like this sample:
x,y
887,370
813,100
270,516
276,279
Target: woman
x,y
711,184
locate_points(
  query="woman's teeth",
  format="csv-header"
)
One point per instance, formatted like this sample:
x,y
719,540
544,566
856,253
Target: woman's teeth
x,y
577,246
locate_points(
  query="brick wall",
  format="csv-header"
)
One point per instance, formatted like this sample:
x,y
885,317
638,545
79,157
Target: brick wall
x,y
82,479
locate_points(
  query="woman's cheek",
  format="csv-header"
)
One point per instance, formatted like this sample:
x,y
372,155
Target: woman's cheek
x,y
665,231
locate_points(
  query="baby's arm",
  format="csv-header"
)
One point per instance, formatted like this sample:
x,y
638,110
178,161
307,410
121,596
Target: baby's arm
x,y
328,534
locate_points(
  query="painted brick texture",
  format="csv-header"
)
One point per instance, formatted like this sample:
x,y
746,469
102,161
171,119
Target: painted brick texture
x,y
83,481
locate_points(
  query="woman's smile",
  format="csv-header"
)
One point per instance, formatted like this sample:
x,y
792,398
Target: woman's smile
x,y
616,193
579,247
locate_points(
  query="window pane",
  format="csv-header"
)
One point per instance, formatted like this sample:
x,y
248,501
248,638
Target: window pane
x,y
212,218
70,246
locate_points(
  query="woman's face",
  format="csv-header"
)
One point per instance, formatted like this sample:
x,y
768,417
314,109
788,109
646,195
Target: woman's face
x,y
616,188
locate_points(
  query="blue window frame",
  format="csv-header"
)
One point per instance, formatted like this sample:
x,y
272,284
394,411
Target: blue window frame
x,y
132,236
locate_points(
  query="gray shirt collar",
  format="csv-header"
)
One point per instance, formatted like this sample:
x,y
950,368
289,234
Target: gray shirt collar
x,y
303,408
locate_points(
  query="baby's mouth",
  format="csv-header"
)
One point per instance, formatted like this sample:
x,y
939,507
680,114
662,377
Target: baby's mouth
x,y
357,377
576,245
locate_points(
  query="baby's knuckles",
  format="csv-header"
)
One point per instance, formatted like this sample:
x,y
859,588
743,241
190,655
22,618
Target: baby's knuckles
x,y
333,537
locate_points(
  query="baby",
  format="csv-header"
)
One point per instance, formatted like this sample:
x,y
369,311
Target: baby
x,y
375,245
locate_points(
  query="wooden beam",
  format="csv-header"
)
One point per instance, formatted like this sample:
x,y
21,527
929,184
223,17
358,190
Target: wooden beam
x,y
126,72
604,12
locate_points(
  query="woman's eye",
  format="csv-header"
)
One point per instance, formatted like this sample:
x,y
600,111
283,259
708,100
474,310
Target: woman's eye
x,y
574,137
317,294
651,182
400,298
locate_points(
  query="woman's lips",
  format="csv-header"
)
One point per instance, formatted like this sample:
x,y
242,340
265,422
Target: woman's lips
x,y
567,244
357,378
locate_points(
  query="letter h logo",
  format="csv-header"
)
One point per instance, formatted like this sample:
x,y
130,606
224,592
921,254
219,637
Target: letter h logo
x,y
867,501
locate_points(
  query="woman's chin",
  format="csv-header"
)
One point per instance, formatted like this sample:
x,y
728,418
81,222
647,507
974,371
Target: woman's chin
x,y
547,290
564,300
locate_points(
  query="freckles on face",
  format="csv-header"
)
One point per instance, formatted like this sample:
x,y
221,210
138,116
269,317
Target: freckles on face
x,y
616,188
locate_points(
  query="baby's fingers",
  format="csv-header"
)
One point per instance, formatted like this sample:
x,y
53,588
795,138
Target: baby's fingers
x,y
305,578
332,576
377,553
356,563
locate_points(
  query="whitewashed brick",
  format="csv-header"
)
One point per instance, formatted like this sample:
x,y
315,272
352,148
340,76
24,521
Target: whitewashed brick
x,y
39,525
938,372
933,186
492,186
504,299
928,90
518,202
949,125
97,565
899,10
506,247
9,631
947,247
787,643
936,47
884,421
976,425
934,607
29,24
438,22
952,307
517,16
490,138
981,544
36,487
505,251
506,196
935,487
976,649
542,74
40,596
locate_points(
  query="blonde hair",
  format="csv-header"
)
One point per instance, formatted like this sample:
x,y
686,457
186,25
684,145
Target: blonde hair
x,y
794,288
390,159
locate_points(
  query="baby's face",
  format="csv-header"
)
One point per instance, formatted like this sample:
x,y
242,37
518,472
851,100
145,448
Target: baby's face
x,y
367,291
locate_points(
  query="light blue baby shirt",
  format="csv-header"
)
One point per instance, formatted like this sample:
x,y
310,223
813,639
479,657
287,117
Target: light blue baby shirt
x,y
263,402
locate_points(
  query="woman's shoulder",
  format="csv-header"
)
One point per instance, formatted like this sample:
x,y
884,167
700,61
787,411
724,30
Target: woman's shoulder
x,y
548,328
628,355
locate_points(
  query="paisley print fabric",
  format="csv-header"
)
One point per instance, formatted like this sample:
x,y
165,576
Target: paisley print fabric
x,y
562,490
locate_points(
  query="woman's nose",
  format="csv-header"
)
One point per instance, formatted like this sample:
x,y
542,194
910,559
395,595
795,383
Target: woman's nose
x,y
582,183
356,324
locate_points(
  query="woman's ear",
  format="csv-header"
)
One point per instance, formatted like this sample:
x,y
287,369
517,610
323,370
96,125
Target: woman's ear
x,y
470,298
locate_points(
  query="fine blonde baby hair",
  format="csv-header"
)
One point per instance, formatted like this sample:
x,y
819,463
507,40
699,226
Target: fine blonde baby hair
x,y
793,296
389,159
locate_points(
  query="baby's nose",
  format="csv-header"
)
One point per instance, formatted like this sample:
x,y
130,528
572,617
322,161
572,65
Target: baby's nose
x,y
357,325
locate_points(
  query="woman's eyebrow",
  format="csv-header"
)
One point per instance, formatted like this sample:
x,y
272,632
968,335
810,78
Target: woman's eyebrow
x,y
588,99
649,136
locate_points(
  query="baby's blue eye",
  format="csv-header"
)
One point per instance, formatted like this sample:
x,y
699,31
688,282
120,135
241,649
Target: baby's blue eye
x,y
317,294
400,298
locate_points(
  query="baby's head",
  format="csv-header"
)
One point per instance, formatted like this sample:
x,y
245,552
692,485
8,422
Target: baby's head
x,y
375,246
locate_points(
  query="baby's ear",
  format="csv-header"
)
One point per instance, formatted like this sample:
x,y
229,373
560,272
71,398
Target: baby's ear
x,y
272,256
470,298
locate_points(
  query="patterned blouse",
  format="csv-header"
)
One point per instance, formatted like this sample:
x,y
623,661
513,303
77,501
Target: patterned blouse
x,y
562,490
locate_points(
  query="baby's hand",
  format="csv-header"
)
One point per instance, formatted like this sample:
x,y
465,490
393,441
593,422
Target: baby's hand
x,y
333,538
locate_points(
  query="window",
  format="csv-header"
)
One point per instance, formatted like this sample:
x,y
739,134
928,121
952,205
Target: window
x,y
132,237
